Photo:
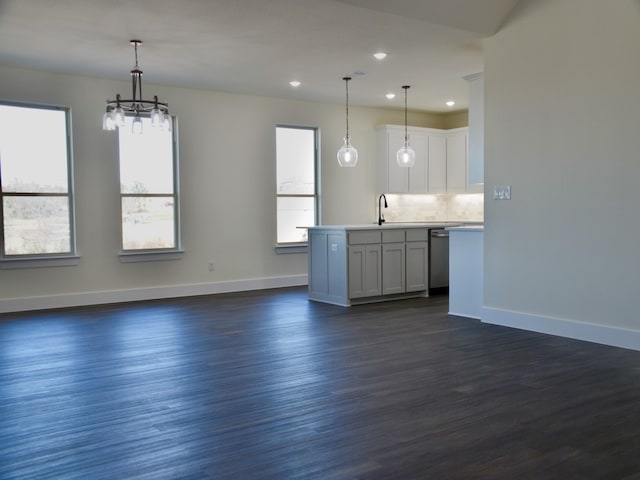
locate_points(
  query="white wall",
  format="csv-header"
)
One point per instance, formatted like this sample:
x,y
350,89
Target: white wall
x,y
228,204
562,121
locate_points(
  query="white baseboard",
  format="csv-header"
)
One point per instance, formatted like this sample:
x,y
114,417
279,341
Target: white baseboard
x,y
149,293
465,315
590,332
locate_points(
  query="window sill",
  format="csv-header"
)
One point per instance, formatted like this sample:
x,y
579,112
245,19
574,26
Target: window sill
x,y
291,248
150,256
39,262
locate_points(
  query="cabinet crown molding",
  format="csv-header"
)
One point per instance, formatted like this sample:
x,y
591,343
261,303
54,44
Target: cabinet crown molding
x,y
400,128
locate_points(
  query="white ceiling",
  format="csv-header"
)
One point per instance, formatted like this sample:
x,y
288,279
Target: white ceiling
x,y
258,46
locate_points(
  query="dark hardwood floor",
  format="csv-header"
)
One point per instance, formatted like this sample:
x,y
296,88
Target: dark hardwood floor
x,y
267,385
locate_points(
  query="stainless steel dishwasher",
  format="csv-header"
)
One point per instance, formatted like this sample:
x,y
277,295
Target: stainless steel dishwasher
x,y
438,261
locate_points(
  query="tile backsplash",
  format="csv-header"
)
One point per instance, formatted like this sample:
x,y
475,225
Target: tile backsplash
x,y
430,208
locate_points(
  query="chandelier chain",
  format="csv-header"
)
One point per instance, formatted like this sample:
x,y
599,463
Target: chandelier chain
x,y
135,49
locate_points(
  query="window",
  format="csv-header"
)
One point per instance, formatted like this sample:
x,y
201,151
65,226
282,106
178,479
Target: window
x,y
36,183
148,189
297,193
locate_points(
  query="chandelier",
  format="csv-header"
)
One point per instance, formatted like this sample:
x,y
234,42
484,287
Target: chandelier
x,y
116,110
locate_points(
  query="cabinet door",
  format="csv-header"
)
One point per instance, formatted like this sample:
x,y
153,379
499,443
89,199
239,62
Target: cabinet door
x,y
417,173
437,163
403,179
318,264
398,177
417,266
457,162
365,271
393,268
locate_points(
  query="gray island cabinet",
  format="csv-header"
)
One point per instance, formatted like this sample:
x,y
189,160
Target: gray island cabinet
x,y
356,264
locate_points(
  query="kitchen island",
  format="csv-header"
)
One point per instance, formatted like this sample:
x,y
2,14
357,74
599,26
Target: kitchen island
x,y
466,270
354,264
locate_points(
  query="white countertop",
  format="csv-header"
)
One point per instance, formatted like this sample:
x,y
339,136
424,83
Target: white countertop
x,y
466,228
390,225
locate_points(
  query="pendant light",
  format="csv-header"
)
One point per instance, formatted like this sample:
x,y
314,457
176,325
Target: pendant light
x,y
406,156
347,155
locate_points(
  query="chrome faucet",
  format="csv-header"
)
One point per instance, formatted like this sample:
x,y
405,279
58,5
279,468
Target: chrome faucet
x,y
380,215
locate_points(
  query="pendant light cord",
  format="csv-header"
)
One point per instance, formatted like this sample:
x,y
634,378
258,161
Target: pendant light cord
x,y
406,135
346,84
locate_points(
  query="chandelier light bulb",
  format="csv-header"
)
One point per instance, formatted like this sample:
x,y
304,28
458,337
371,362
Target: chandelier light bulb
x,y
167,123
157,117
108,123
136,125
118,116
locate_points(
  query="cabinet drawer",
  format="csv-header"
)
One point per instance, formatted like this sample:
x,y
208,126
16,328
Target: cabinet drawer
x,y
393,236
417,235
364,237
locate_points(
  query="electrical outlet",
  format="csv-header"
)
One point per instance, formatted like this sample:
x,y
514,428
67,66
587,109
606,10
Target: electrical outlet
x,y
212,266
502,192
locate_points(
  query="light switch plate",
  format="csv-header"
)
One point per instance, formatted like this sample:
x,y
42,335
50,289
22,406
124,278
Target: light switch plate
x,y
502,192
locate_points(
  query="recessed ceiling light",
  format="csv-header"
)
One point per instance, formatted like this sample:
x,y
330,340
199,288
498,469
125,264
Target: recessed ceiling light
x,y
450,103
294,83
390,96
380,55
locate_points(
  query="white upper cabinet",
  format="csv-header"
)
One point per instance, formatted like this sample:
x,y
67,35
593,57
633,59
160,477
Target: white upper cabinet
x,y
437,179
397,178
393,178
441,160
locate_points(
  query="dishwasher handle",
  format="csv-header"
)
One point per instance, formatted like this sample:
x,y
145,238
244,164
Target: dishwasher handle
x,y
439,234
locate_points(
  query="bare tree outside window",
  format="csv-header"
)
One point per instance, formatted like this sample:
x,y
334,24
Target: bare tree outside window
x,y
148,188
36,181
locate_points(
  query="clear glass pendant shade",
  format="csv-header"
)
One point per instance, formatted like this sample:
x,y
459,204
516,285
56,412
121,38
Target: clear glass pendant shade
x,y
406,156
347,155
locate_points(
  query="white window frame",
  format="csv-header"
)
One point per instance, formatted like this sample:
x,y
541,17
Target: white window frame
x,y
155,254
301,247
69,257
